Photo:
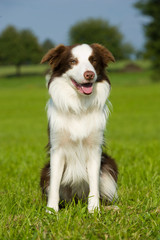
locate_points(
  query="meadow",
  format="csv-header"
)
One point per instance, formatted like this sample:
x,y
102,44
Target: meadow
x,y
133,139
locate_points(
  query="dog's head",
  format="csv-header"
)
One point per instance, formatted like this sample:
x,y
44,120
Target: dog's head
x,y
84,65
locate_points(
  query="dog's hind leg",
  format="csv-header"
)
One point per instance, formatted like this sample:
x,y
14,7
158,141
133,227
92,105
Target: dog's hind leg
x,y
108,179
45,179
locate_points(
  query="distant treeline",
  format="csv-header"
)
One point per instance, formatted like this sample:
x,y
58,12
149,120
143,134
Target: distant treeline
x,y
21,47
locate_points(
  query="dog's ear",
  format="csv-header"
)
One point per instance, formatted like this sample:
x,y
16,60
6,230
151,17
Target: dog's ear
x,y
53,54
105,54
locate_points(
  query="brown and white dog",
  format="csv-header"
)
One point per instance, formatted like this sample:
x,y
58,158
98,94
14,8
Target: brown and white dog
x,y
77,115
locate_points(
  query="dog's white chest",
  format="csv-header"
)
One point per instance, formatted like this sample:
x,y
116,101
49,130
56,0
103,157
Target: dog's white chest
x,y
73,129
76,135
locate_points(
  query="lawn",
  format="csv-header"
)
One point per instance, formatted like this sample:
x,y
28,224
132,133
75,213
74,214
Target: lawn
x,y
133,139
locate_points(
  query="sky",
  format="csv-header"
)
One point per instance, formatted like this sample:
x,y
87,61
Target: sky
x,y
53,18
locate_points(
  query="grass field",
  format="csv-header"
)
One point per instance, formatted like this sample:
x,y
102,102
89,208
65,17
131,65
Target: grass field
x,y
133,137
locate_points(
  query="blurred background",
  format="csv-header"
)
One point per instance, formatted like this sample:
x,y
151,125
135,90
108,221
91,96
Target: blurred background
x,y
129,29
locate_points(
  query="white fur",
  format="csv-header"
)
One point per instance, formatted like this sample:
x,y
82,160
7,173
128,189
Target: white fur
x,y
82,53
108,190
77,123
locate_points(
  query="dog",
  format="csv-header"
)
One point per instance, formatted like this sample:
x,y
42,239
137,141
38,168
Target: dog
x,y
77,114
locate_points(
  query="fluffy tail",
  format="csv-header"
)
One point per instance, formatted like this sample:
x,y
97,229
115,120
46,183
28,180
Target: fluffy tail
x,y
108,178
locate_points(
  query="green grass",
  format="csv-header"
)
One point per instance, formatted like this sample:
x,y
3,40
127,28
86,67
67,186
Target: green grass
x,y
25,69
119,65
133,137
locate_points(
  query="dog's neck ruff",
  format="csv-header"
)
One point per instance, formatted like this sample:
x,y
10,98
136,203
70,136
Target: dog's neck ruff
x,y
66,99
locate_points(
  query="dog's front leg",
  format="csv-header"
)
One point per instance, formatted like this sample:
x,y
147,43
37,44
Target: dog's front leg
x,y
56,171
93,168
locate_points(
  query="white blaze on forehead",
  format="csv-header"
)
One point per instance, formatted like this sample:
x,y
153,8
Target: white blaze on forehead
x,y
82,52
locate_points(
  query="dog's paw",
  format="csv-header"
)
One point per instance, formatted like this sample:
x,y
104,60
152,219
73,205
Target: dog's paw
x,y
93,209
52,210
49,211
93,204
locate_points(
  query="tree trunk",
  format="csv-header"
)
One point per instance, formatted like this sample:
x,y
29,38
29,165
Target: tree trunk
x,y
18,70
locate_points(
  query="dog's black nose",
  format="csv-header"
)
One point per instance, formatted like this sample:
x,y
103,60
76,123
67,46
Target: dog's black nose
x,y
89,75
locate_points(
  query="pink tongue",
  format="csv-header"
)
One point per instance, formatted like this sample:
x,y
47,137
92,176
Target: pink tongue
x,y
87,89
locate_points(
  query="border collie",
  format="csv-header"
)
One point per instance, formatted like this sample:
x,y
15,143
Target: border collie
x,y
77,115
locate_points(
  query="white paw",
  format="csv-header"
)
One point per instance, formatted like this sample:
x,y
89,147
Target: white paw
x,y
48,211
52,209
92,209
93,204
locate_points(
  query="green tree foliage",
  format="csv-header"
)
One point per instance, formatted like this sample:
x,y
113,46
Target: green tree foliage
x,y
31,49
9,45
19,47
100,31
151,8
46,45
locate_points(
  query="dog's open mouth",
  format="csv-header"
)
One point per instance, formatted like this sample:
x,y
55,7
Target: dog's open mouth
x,y
85,88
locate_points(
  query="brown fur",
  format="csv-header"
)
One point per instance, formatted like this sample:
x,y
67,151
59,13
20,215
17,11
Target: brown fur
x,y
99,59
109,165
104,53
61,60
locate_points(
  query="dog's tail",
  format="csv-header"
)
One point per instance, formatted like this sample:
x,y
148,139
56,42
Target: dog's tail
x,y
108,179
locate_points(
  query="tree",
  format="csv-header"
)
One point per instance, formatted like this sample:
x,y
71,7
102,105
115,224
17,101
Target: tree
x,y
31,49
19,47
46,45
9,43
151,8
100,31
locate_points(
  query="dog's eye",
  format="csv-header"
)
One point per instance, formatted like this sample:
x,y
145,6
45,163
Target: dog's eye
x,y
94,60
73,61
